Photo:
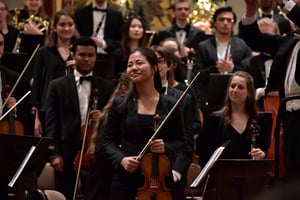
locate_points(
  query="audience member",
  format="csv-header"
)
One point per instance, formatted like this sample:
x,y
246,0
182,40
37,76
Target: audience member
x,y
284,76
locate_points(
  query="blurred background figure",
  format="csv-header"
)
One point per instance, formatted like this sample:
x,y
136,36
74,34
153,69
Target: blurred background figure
x,y
133,36
10,33
32,23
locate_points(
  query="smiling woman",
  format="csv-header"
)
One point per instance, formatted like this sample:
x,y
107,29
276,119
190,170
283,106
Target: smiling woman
x,y
238,122
52,62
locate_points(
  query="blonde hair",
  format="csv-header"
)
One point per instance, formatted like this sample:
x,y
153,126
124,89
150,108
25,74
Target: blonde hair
x,y
269,22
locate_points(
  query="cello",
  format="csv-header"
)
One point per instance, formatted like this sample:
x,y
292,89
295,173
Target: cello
x,y
155,167
11,125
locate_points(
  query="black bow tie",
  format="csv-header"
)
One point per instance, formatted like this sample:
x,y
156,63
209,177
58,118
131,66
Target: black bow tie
x,y
99,9
266,15
186,28
85,78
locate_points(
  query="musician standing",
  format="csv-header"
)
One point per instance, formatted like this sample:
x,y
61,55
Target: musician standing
x,y
186,34
51,61
104,25
221,53
130,125
10,33
184,158
32,23
133,36
67,106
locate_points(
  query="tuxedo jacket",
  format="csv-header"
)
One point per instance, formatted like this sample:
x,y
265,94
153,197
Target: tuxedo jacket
x,y
206,55
63,120
279,47
113,25
194,35
256,67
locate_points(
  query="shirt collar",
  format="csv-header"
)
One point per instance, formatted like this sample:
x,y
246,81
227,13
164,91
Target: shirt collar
x,y
262,12
102,7
78,75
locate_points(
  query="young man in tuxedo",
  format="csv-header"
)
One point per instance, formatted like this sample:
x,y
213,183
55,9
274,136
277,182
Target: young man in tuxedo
x,y
104,25
186,34
68,104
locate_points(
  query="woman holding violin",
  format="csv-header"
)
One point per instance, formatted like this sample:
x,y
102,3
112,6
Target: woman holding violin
x,y
131,123
67,110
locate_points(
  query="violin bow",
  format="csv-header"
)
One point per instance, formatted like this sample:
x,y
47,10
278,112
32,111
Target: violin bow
x,y
20,76
15,105
87,119
168,116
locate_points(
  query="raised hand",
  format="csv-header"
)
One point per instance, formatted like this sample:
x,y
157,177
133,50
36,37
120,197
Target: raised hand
x,y
251,7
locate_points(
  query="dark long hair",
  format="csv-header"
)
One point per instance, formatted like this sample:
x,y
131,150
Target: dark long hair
x,y
152,59
52,38
250,105
126,39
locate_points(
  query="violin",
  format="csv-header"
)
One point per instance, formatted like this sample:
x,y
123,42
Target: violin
x,y
84,156
86,137
155,167
10,125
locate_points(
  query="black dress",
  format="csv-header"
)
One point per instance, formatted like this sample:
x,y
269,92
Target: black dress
x,y
215,133
126,134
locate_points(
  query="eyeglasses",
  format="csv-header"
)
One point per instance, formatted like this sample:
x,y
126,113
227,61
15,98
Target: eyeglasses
x,y
161,61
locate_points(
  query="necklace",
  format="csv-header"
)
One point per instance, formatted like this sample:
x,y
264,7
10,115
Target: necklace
x,y
64,52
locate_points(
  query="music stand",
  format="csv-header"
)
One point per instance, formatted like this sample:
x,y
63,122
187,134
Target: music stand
x,y
213,92
24,158
238,179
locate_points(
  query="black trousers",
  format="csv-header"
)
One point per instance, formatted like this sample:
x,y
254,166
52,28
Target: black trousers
x,y
291,144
